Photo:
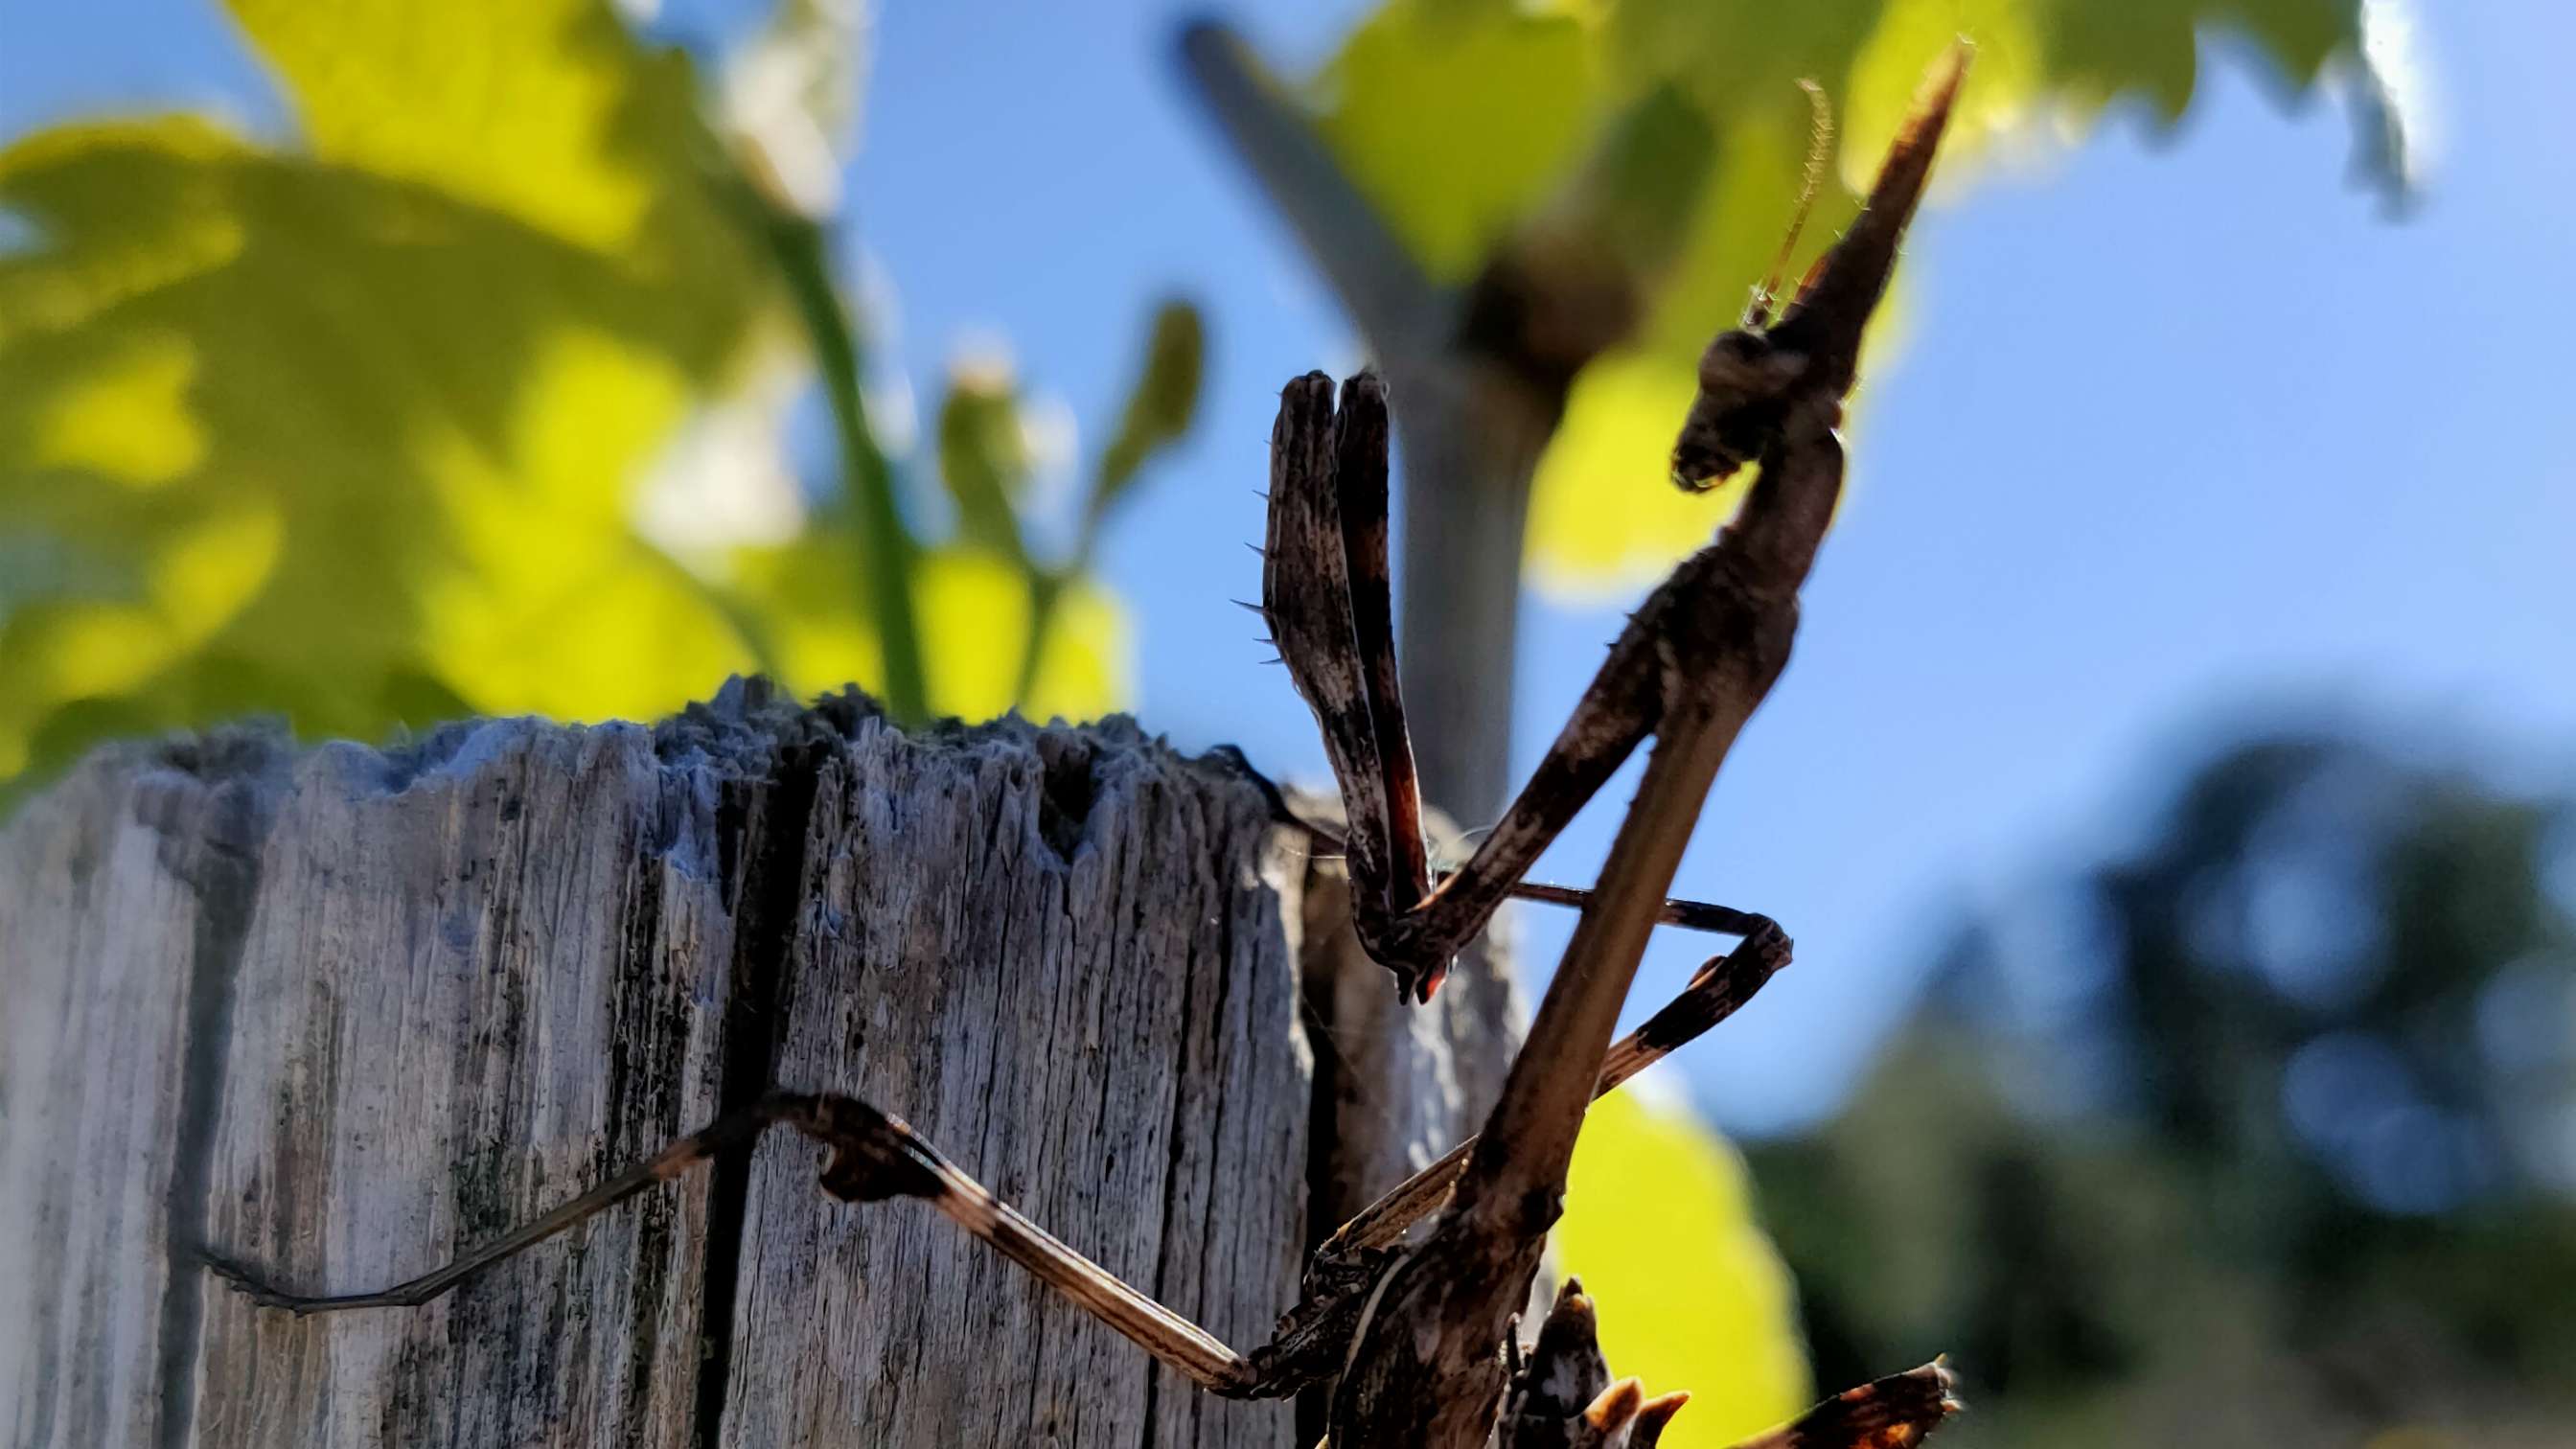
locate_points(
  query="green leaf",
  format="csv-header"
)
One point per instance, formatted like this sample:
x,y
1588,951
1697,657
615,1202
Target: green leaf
x,y
547,111
976,612
353,429
1160,405
1454,119
1475,126
1659,1226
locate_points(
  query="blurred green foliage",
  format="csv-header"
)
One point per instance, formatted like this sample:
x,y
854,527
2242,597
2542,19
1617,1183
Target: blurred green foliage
x,y
1660,1225
986,461
2257,1137
354,431
348,432
1668,138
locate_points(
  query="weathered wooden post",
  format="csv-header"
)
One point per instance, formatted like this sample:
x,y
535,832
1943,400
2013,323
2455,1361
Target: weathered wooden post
x,y
344,1011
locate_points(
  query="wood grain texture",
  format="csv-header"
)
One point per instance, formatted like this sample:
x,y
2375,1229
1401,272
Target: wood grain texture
x,y
1089,932
120,898
341,1013
1397,1084
479,977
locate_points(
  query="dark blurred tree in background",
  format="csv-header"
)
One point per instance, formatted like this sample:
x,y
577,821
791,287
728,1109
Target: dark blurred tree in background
x,y
2264,1134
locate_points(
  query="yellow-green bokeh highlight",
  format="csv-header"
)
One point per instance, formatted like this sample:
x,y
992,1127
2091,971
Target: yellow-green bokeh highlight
x,y
1659,1225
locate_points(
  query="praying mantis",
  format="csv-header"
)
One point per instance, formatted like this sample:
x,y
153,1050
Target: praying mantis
x,y
1410,1309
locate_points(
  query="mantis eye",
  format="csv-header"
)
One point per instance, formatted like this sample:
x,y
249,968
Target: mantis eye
x,y
1743,377
1702,460
1735,366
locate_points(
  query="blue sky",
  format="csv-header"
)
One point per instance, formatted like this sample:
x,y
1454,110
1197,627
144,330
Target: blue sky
x,y
2187,438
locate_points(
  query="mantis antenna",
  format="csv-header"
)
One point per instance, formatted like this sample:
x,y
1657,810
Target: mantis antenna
x,y
1820,147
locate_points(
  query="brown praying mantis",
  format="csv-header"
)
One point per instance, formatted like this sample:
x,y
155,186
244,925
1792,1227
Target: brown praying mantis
x,y
1409,1310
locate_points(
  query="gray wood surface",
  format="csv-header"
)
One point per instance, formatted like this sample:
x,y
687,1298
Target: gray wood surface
x,y
1397,1084
343,1012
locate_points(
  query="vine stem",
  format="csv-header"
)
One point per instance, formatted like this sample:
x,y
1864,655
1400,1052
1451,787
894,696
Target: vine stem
x,y
889,559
